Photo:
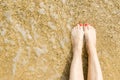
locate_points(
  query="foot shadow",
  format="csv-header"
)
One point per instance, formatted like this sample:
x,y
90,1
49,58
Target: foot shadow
x,y
85,62
66,72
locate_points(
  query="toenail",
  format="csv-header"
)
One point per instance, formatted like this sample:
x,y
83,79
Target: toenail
x,y
85,25
81,24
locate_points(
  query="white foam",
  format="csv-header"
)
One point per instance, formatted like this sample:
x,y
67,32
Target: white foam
x,y
62,42
24,61
28,35
32,21
36,36
51,8
3,32
16,59
14,68
52,40
10,19
32,6
51,25
54,15
31,9
25,33
40,51
42,11
72,12
9,41
18,54
8,15
21,30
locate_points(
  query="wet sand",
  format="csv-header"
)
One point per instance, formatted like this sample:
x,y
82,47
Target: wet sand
x,y
35,37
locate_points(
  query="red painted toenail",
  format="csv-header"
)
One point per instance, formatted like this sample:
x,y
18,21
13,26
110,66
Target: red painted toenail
x,y
85,25
81,24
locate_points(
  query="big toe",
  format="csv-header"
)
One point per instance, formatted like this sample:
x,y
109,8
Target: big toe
x,y
86,27
81,27
74,30
91,28
78,28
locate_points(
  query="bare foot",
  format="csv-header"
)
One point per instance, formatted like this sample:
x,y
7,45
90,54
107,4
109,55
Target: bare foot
x,y
90,36
77,38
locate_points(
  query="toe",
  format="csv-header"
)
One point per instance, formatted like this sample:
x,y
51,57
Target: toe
x,y
85,28
81,24
78,26
91,27
88,27
74,30
81,28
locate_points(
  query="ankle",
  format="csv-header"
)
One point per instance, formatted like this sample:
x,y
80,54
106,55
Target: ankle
x,y
77,52
92,50
77,55
91,46
77,48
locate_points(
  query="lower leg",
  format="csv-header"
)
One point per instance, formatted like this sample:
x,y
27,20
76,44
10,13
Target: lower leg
x,y
76,70
94,69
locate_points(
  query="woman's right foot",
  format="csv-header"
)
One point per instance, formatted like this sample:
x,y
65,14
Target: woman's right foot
x,y
77,39
90,37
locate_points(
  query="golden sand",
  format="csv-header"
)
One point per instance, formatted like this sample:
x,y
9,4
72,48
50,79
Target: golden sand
x,y
35,42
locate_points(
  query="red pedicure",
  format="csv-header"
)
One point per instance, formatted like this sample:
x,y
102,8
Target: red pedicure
x,y
85,25
81,24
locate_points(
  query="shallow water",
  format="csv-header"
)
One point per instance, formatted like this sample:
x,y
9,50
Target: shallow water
x,y
35,41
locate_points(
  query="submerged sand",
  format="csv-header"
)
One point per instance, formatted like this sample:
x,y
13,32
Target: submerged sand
x,y
35,42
